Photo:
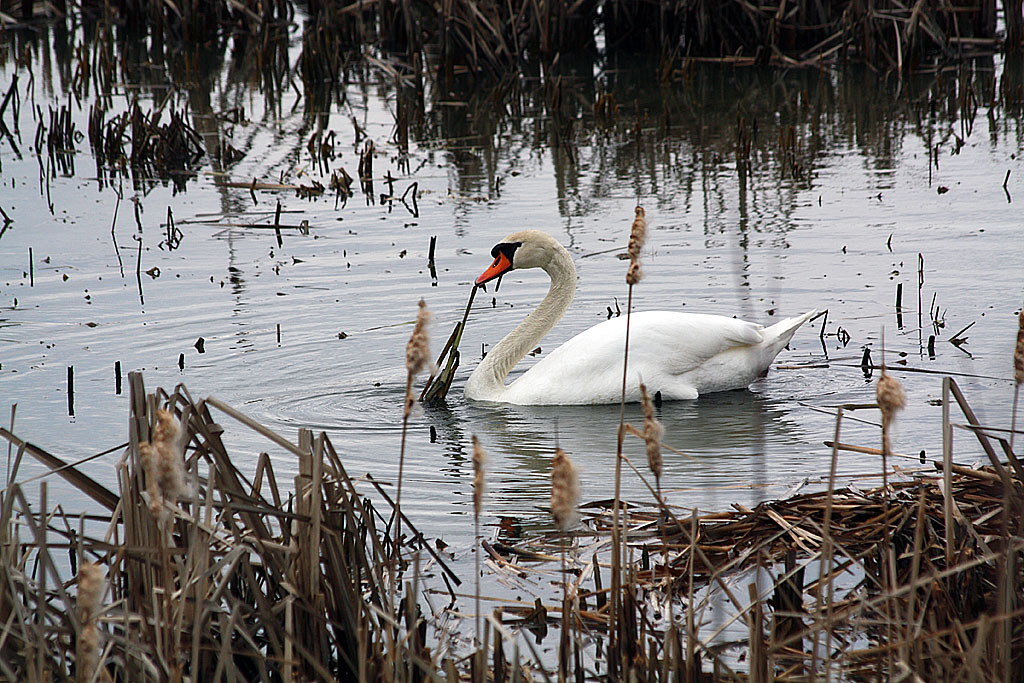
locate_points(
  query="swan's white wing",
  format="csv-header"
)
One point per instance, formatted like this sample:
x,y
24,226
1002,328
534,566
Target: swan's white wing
x,y
665,349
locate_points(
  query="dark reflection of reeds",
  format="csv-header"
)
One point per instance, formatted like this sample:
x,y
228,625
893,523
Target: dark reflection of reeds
x,y
621,127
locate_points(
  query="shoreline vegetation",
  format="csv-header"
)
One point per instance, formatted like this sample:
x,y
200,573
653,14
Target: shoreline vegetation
x,y
197,570
457,37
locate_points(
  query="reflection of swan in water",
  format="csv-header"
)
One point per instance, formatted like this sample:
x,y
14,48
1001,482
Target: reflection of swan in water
x,y
732,439
680,355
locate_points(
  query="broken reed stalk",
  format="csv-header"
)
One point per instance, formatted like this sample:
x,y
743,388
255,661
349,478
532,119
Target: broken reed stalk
x,y
438,385
417,358
479,460
1018,373
637,235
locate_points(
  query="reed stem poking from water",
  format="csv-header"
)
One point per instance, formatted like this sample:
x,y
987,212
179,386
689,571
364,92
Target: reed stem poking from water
x,y
417,358
479,460
637,235
1018,374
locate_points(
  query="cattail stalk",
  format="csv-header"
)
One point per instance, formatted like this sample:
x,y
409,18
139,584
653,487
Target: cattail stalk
x,y
891,399
565,496
637,236
90,593
479,460
417,357
1018,373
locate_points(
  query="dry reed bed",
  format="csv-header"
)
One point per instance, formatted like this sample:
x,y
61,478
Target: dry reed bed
x,y
210,575
920,576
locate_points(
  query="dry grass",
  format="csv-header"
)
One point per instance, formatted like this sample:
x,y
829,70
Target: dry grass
x,y
231,581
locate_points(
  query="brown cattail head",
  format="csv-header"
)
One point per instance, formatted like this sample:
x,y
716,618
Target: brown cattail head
x,y
163,461
890,396
417,351
1018,352
151,467
90,590
479,460
168,443
565,490
90,593
637,235
653,431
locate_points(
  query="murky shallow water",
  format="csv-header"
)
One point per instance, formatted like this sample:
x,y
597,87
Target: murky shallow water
x,y
838,226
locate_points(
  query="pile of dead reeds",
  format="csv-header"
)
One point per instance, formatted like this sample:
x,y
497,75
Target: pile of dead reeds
x,y
918,577
195,571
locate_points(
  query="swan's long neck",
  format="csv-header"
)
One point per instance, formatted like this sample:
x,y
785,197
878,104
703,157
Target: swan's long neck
x,y
488,380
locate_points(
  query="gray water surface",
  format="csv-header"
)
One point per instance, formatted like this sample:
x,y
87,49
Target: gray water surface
x,y
312,333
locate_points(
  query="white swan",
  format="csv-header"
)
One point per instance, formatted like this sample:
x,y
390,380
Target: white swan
x,y
682,355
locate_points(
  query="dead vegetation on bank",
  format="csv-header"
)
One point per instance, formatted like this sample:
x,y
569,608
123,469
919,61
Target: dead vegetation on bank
x,y
210,573
492,36
196,569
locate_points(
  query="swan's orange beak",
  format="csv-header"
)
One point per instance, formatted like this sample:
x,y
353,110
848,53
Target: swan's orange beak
x,y
500,266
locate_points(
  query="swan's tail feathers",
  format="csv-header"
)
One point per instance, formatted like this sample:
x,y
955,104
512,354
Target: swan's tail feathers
x,y
779,334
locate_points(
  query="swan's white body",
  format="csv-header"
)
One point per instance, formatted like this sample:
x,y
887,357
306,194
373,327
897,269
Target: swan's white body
x,y
681,355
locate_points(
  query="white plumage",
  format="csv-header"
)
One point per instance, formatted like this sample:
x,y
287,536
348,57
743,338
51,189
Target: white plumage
x,y
682,355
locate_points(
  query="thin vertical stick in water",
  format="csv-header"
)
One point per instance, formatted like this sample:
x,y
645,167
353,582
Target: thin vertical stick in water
x,y
71,390
825,567
947,471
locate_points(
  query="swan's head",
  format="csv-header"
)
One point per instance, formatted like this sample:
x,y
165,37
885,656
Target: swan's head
x,y
523,249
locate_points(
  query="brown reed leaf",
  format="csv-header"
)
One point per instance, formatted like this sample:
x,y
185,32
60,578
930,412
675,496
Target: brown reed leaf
x,y
565,490
90,593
